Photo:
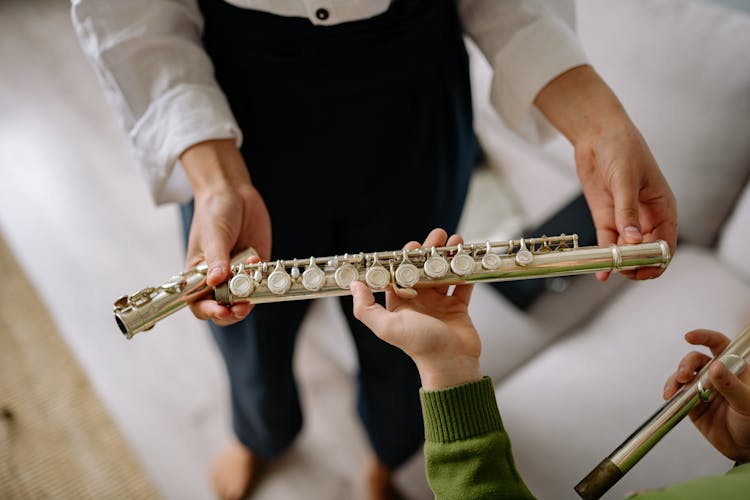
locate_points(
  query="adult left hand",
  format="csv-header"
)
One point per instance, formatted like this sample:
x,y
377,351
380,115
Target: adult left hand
x,y
629,198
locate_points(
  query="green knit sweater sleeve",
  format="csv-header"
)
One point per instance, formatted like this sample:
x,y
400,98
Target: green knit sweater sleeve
x,y
467,451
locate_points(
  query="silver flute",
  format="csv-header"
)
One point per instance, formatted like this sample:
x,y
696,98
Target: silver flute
x,y
619,462
402,270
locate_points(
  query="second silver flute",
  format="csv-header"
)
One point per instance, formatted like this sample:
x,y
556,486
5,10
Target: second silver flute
x,y
403,270
619,462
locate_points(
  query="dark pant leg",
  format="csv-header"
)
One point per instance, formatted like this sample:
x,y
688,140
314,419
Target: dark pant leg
x,y
387,394
258,354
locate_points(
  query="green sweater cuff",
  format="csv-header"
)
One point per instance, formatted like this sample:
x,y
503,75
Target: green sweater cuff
x,y
460,412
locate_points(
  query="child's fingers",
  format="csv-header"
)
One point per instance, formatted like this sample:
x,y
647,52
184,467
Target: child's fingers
x,y
689,365
364,301
455,239
369,312
394,299
736,393
452,241
436,238
412,245
253,259
671,386
463,293
713,340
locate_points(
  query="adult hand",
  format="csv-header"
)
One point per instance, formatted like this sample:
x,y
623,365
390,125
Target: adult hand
x,y
725,420
433,328
230,215
629,199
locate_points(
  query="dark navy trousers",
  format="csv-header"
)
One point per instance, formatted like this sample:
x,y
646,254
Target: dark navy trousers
x,y
359,138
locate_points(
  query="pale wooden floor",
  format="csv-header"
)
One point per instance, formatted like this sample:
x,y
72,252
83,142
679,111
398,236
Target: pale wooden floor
x,y
77,217
52,425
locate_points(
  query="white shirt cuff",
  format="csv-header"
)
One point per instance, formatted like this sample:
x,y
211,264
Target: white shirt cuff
x,y
184,116
534,56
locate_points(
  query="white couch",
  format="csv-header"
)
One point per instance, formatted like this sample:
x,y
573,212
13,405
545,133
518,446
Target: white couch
x,y
583,368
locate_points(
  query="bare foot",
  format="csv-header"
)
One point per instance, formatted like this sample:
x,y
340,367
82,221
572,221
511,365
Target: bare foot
x,y
234,471
378,481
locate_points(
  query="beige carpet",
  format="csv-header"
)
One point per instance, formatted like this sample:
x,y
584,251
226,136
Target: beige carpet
x,y
56,439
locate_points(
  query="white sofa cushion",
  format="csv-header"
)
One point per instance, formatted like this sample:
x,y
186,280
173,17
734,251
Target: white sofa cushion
x,y
682,70
511,337
735,236
575,403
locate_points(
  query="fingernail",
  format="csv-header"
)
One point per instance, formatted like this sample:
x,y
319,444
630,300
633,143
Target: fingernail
x,y
214,273
632,232
720,372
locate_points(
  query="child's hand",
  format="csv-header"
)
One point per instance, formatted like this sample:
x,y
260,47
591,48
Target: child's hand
x,y
724,421
433,328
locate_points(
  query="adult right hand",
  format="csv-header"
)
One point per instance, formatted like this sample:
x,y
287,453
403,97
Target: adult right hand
x,y
230,215
725,420
629,198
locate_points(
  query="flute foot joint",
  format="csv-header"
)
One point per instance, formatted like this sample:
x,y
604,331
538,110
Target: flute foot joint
x,y
599,480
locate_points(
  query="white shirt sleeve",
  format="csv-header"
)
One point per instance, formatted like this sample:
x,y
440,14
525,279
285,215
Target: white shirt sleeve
x,y
528,43
150,60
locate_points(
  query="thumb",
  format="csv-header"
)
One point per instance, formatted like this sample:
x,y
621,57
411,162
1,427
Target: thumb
x,y
216,251
624,188
376,317
736,393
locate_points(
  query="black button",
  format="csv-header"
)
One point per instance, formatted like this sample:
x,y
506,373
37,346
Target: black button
x,y
321,14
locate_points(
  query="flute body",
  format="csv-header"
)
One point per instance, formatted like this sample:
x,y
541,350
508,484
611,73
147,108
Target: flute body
x,y
403,270
619,462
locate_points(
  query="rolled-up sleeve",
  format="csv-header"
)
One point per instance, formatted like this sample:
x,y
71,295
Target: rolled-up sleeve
x,y
159,80
528,43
